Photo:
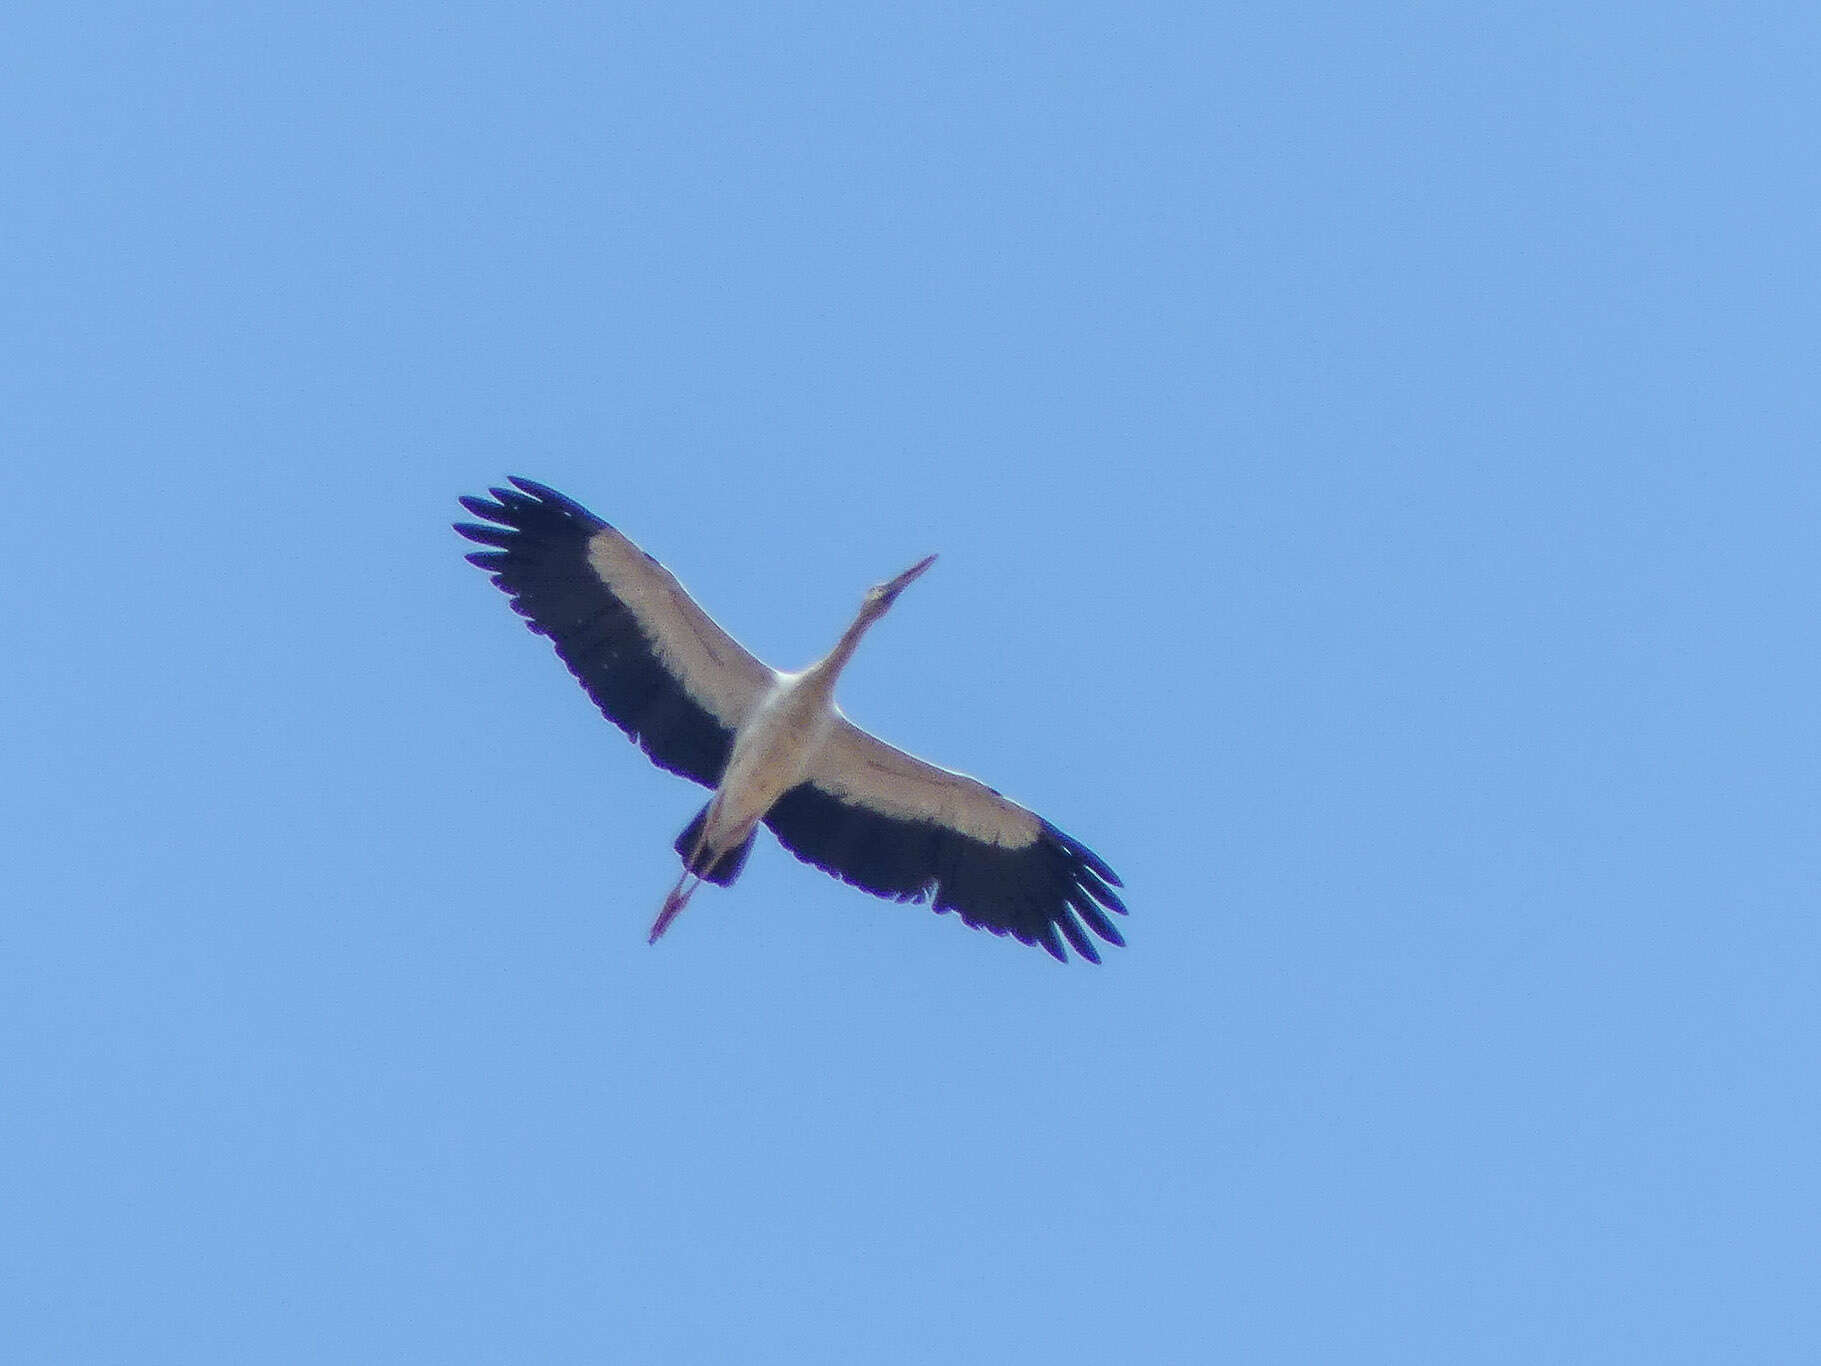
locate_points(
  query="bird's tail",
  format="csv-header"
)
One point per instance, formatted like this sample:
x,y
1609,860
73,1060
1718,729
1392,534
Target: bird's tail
x,y
723,870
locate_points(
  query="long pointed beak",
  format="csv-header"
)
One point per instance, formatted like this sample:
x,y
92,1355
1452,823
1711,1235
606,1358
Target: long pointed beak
x,y
904,580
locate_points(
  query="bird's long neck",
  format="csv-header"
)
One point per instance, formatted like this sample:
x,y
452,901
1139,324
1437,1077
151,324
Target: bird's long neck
x,y
827,669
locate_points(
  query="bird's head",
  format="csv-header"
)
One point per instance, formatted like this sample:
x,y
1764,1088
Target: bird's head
x,y
882,595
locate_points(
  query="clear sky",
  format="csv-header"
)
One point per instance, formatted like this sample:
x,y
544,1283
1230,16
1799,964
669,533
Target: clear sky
x,y
1373,453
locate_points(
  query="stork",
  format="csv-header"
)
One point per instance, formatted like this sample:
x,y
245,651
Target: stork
x,y
773,747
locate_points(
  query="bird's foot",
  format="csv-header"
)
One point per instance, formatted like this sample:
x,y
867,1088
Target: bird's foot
x,y
673,904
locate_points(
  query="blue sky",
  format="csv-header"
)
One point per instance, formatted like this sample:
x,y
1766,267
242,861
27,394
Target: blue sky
x,y
1373,458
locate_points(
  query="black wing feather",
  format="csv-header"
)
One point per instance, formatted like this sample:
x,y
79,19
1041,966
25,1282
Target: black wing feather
x,y
541,563
1028,893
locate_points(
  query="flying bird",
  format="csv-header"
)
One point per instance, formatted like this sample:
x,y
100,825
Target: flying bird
x,y
773,747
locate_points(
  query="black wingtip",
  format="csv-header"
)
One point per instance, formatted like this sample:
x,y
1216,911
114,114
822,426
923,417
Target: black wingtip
x,y
1077,939
1095,918
511,499
540,491
1092,860
1100,891
529,496
487,535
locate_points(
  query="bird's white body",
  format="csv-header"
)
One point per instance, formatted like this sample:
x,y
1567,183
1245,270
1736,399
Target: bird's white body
x,y
771,754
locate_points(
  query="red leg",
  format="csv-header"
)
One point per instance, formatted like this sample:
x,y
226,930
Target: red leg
x,y
673,904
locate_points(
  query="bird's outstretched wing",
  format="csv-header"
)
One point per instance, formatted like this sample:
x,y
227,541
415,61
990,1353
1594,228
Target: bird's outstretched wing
x,y
654,662
891,824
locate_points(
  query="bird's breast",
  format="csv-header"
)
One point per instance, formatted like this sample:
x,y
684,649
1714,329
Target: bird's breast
x,y
773,749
